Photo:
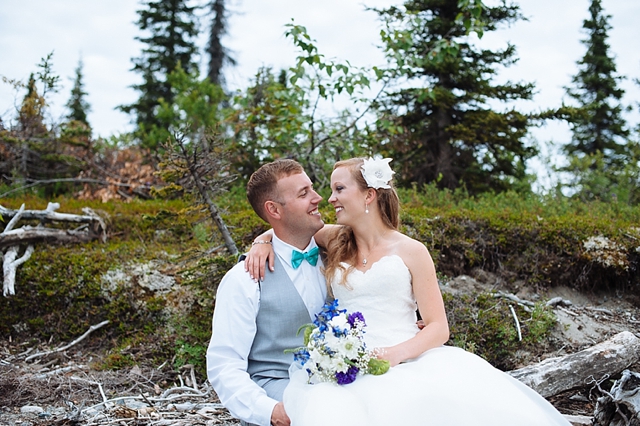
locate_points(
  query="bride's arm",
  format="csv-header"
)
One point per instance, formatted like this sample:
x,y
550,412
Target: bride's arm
x,y
427,293
261,250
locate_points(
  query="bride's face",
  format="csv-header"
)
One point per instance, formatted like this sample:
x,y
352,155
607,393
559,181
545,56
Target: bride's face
x,y
346,196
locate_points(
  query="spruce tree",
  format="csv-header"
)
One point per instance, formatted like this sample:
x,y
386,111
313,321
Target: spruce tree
x,y
443,124
31,115
597,123
78,105
172,29
218,54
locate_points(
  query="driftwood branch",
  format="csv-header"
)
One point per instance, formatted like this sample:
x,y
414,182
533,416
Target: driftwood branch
x,y
9,262
32,235
29,234
555,375
617,406
515,319
15,217
47,214
512,297
91,227
58,371
64,348
9,267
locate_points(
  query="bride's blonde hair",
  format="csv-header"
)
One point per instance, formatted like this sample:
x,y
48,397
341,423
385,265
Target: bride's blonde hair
x,y
341,246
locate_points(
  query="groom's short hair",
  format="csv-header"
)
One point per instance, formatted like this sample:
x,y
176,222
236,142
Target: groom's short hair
x,y
263,183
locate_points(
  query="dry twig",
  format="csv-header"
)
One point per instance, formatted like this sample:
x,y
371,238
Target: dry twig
x,y
64,348
515,319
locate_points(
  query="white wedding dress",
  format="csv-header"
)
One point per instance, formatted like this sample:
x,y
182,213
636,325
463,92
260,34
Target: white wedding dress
x,y
445,386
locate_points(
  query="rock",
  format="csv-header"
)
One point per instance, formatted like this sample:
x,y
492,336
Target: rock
x,y
582,328
31,409
462,284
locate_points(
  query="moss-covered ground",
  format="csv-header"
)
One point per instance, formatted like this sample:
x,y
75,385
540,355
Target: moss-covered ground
x,y
541,242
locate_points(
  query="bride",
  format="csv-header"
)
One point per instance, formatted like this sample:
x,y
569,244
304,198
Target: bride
x,y
373,268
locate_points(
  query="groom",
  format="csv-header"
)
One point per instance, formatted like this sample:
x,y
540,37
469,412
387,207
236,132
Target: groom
x,y
254,322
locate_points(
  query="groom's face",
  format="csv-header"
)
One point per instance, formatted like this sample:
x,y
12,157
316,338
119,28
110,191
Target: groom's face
x,y
299,205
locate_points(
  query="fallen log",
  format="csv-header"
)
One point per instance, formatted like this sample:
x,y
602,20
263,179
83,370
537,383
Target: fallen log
x,y
555,375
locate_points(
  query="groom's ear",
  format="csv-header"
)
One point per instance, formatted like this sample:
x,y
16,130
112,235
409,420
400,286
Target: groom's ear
x,y
272,209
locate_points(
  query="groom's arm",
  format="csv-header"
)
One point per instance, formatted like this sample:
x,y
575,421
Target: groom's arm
x,y
233,331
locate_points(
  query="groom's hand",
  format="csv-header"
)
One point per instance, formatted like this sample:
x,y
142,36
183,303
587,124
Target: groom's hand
x,y
279,416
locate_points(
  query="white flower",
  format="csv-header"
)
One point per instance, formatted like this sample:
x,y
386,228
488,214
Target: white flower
x,y
327,363
349,346
339,322
331,340
338,364
377,173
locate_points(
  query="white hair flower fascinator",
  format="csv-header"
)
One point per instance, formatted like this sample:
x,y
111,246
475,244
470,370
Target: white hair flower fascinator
x,y
377,173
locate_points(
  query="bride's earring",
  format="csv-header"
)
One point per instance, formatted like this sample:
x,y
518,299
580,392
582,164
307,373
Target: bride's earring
x,y
366,208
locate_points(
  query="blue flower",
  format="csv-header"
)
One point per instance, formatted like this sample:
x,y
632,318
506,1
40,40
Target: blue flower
x,y
302,356
329,310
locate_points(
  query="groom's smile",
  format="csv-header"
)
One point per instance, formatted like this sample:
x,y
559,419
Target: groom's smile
x,y
299,205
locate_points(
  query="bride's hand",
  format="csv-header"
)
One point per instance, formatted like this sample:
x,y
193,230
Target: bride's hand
x,y
390,354
255,261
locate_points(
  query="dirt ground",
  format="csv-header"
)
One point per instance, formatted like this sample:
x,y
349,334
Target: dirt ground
x,y
64,389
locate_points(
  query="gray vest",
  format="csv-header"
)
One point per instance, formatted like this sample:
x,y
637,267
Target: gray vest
x,y
280,315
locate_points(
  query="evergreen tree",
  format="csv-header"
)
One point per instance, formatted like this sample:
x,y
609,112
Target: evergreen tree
x,y
597,123
442,125
218,54
31,116
172,27
78,105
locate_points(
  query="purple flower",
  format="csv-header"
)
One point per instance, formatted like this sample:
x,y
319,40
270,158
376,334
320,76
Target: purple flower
x,y
355,316
348,377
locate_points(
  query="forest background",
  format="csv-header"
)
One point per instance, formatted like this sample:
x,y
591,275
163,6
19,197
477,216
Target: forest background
x,y
171,190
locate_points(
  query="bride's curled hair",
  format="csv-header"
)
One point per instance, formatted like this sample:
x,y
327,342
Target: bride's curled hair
x,y
342,246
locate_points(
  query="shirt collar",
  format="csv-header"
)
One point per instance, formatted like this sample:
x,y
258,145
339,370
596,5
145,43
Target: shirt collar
x,y
283,250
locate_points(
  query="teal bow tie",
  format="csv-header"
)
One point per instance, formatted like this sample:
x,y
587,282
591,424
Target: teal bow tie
x,y
311,256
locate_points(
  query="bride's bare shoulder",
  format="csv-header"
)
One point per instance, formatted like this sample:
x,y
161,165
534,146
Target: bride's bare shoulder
x,y
413,252
407,243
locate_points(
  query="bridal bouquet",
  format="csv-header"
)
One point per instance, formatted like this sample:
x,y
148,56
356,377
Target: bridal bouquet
x,y
334,348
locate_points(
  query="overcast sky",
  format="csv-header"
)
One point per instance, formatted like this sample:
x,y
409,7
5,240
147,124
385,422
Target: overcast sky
x,y
102,33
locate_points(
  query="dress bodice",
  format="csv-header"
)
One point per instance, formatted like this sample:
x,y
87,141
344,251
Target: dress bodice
x,y
384,295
